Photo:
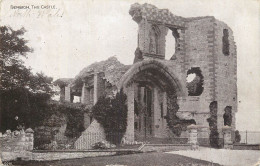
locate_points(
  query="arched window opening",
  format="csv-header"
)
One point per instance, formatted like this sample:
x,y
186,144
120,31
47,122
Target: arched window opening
x,y
225,42
172,44
154,40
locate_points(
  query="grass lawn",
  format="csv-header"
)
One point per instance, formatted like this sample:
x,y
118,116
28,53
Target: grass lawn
x,y
141,159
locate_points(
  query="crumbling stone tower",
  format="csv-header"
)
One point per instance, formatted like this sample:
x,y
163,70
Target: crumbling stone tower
x,y
205,50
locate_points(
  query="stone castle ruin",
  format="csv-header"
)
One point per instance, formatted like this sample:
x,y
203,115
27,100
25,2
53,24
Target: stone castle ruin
x,y
197,85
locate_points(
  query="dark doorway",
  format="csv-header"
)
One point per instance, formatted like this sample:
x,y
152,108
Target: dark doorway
x,y
144,113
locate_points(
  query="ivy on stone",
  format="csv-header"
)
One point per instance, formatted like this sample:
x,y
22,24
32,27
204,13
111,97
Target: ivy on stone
x,y
175,124
212,120
111,113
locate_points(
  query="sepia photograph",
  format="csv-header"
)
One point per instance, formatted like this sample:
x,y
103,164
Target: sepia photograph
x,y
130,82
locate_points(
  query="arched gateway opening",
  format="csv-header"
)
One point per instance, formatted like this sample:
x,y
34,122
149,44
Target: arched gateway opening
x,y
151,90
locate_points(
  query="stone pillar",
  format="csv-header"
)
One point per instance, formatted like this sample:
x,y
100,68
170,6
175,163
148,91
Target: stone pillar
x,y
157,114
67,94
29,138
164,122
99,86
83,94
227,130
193,137
143,36
129,134
86,120
22,144
62,93
95,96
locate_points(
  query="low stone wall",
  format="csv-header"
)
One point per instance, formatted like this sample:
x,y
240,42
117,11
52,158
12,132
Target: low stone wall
x,y
16,144
11,156
17,141
246,147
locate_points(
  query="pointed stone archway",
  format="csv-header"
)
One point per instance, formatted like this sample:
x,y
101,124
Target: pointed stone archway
x,y
148,85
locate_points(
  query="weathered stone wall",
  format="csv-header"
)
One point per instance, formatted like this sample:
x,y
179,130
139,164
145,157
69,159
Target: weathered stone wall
x,y
198,53
129,134
203,49
18,142
200,45
226,73
152,13
144,44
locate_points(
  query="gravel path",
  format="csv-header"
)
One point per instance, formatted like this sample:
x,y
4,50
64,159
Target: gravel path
x,y
223,156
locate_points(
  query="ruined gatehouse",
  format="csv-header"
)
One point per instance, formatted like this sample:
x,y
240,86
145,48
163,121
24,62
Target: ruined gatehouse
x,y
197,85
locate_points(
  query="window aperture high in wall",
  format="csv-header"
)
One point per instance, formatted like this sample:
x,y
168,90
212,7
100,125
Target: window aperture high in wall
x,y
225,42
154,40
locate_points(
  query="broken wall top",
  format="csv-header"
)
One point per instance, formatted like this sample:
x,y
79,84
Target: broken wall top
x,y
112,69
62,82
152,13
161,16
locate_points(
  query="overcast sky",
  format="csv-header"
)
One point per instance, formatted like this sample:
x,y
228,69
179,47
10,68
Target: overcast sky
x,y
93,30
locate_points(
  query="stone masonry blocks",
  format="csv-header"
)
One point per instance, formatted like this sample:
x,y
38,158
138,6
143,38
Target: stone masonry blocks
x,y
200,46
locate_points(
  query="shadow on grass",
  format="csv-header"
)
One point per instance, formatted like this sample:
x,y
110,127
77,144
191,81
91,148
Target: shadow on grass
x,y
141,159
